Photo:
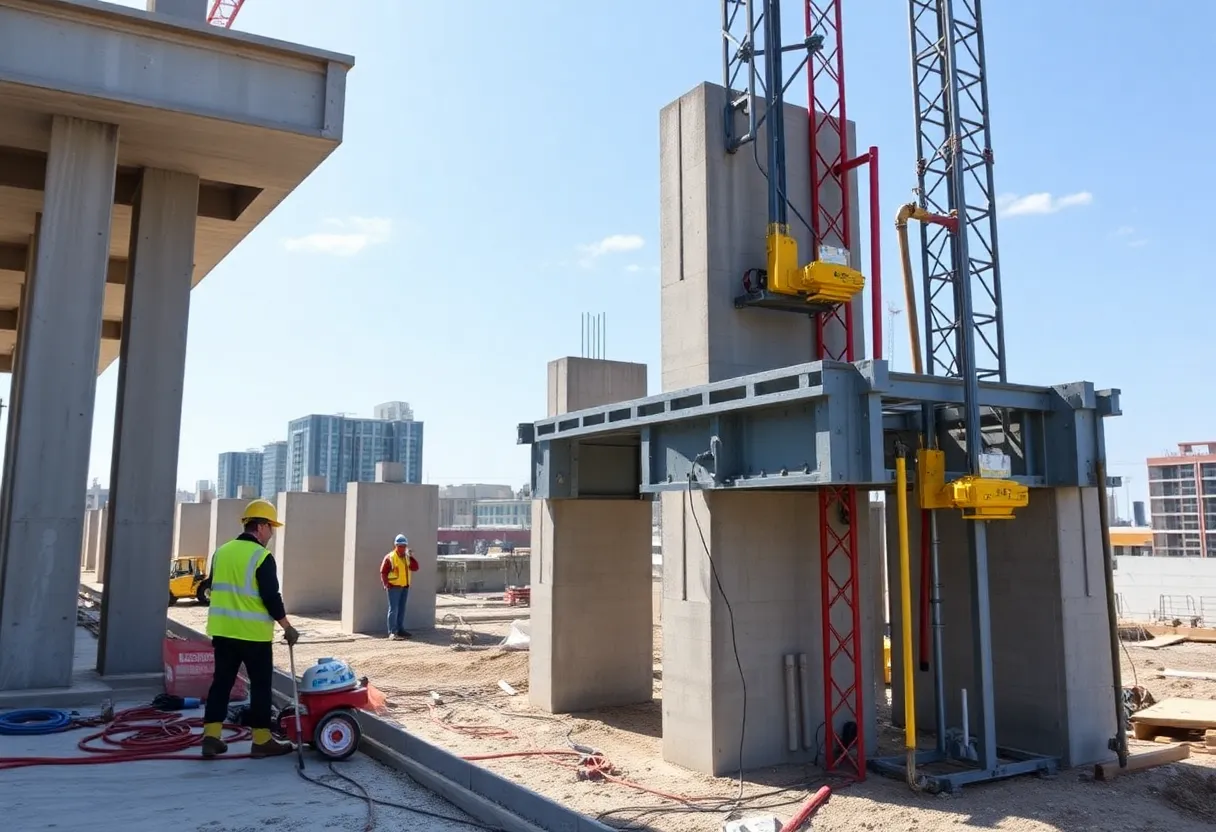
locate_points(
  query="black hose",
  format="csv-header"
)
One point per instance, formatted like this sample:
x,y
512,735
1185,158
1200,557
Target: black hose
x,y
1112,613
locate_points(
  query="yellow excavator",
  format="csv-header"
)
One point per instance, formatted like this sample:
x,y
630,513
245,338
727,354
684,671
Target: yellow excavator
x,y
188,579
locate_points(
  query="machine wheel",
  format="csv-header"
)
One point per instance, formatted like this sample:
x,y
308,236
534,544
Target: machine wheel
x,y
337,735
203,595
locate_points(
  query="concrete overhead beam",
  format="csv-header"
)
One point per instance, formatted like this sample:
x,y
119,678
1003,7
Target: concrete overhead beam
x,y
75,47
26,170
13,259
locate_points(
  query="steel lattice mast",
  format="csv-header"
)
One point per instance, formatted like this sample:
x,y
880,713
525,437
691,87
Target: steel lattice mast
x,y
954,173
223,12
751,35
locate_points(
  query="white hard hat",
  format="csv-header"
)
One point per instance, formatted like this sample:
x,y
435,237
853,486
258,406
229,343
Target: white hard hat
x,y
401,540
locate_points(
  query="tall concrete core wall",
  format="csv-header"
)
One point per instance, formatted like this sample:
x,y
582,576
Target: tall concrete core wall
x,y
763,545
1052,673
376,512
192,530
225,523
308,549
591,564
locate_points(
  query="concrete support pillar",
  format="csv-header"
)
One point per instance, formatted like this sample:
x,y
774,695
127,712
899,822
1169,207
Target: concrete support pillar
x,y
56,372
390,472
309,551
100,545
93,536
591,563
1051,669
147,424
764,545
376,512
191,529
591,576
225,523
314,485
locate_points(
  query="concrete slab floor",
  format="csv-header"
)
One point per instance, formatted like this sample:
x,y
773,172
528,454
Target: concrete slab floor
x,y
223,796
228,795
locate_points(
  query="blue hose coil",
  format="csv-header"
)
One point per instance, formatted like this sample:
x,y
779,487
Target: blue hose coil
x,y
34,721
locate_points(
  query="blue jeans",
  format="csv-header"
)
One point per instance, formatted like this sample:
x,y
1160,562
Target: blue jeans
x,y
397,596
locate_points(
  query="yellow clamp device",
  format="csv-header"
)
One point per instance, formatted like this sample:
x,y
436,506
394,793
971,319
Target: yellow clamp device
x,y
979,498
816,282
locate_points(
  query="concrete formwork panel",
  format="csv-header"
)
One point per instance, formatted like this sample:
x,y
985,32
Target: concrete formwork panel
x,y
309,551
224,524
376,512
578,383
591,604
192,530
713,220
1052,674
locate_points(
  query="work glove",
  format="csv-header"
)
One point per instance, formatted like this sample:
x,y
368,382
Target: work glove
x,y
291,635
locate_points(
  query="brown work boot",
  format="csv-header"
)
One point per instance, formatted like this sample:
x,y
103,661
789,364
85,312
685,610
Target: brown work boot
x,y
213,747
273,748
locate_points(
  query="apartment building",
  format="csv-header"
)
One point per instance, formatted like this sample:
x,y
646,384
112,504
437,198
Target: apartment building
x,y
1182,501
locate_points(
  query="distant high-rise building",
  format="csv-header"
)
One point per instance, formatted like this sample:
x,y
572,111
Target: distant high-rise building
x,y
96,496
204,491
274,469
1180,487
236,469
456,502
343,449
1138,516
394,412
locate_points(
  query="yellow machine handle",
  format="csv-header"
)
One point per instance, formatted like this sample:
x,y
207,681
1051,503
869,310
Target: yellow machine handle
x,y
905,596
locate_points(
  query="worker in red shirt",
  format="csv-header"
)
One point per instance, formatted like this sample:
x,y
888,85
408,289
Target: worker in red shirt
x,y
395,572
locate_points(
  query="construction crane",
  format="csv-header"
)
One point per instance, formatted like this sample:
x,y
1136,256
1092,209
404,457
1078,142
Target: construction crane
x,y
223,12
753,72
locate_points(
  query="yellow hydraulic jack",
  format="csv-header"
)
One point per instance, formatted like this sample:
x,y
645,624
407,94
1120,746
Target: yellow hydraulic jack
x,y
819,282
978,497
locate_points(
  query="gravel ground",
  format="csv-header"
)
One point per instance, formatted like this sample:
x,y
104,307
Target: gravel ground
x,y
630,737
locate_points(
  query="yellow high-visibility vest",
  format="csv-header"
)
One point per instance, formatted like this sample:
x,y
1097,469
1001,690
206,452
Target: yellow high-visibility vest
x,y
399,573
236,608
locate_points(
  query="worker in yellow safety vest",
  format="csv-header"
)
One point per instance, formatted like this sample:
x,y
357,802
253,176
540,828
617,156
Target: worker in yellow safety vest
x,y
245,604
395,572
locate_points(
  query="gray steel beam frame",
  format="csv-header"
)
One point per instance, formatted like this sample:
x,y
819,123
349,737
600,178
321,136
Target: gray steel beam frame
x,y
806,426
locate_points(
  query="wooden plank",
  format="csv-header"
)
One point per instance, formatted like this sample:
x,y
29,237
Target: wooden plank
x,y
1139,762
1206,635
1187,674
1196,714
1162,641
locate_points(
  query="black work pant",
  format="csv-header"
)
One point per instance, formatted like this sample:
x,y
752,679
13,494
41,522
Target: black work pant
x,y
258,658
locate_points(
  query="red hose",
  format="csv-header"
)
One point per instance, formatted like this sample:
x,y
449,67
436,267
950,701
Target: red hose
x,y
808,809
137,734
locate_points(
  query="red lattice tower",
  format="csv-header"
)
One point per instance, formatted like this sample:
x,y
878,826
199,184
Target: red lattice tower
x,y
224,12
838,545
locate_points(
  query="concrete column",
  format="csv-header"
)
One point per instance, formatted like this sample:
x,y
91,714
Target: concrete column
x,y
101,547
93,539
313,485
1051,669
147,424
376,512
390,472
309,551
191,529
225,523
57,374
591,563
764,545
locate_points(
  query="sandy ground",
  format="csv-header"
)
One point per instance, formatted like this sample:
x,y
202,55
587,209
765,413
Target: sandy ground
x,y
494,722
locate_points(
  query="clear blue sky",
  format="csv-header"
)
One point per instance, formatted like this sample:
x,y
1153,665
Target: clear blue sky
x,y
488,142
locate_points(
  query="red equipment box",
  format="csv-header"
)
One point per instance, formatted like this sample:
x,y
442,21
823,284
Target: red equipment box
x,y
189,666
